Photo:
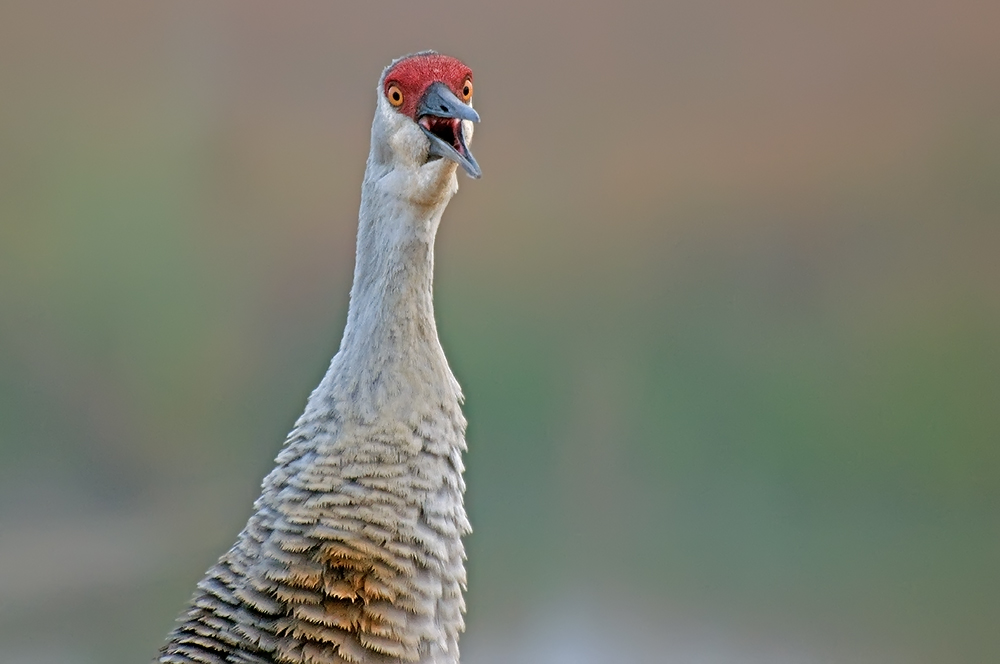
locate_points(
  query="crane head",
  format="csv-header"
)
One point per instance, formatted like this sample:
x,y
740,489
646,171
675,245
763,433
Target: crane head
x,y
425,100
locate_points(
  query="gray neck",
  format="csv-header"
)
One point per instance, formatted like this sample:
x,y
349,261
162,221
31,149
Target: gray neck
x,y
390,329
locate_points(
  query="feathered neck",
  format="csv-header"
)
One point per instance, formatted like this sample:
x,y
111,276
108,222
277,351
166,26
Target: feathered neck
x,y
390,322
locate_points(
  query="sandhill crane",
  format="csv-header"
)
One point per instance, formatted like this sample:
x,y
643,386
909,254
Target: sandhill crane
x,y
354,553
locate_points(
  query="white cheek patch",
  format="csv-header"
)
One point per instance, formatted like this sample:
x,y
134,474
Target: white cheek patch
x,y
409,145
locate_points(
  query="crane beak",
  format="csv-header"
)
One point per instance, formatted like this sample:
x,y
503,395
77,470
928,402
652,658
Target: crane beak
x,y
440,114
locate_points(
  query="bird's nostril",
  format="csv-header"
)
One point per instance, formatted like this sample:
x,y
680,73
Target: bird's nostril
x,y
444,108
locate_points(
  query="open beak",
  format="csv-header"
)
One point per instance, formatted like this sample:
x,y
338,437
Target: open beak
x,y
440,114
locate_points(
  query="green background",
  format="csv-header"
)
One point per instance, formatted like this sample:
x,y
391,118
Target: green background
x,y
725,306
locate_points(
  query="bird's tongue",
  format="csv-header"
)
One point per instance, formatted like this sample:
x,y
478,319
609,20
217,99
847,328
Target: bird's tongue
x,y
448,130
448,141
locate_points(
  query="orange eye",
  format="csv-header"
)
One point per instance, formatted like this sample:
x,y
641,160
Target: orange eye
x,y
395,95
467,90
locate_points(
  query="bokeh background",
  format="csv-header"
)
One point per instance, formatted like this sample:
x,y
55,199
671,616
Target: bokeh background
x,y
725,306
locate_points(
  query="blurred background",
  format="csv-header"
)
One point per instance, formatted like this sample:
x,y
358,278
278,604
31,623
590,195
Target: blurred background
x,y
725,306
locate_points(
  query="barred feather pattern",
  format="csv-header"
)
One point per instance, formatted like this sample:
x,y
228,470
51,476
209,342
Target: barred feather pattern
x,y
353,555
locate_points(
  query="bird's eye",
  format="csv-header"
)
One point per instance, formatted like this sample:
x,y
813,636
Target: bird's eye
x,y
467,90
395,95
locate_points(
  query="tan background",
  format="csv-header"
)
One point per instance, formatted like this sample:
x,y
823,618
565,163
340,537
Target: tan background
x,y
725,305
